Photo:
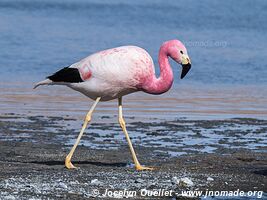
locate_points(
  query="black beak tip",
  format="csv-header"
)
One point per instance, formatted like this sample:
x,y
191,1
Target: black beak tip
x,y
185,70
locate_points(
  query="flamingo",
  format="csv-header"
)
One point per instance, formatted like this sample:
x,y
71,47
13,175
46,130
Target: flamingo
x,y
113,73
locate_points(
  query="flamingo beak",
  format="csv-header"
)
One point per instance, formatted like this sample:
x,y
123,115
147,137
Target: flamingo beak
x,y
186,64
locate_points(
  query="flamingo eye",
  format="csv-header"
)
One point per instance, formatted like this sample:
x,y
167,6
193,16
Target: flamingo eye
x,y
181,52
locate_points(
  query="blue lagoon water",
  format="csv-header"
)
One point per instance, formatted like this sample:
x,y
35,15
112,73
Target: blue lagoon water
x,y
226,40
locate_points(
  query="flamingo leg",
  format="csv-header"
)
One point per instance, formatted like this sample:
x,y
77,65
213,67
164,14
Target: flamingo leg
x,y
123,126
68,163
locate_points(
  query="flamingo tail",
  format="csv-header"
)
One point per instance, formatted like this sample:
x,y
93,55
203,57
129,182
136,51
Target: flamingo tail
x,y
44,82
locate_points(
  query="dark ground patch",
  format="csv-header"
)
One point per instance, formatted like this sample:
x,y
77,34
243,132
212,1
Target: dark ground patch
x,y
32,164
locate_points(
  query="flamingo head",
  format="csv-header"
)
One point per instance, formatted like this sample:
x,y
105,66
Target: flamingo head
x,y
177,51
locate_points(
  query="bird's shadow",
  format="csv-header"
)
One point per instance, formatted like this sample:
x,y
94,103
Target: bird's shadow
x,y
96,163
261,172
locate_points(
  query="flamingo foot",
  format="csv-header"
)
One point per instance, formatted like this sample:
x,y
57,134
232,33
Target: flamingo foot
x,y
68,164
141,168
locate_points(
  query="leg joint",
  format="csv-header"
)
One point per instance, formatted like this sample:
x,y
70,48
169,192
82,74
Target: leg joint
x,y
88,118
122,122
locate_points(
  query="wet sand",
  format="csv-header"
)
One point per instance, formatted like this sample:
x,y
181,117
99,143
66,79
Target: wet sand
x,y
33,149
191,101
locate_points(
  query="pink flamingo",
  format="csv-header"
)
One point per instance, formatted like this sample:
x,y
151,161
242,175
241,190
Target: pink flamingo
x,y
116,72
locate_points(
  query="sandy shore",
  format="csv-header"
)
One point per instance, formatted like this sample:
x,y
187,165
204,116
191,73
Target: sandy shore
x,y
32,151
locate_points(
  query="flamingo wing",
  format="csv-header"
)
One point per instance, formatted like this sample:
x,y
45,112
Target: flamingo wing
x,y
76,73
67,74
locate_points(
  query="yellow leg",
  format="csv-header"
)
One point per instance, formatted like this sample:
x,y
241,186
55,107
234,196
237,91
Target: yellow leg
x,y
68,163
123,126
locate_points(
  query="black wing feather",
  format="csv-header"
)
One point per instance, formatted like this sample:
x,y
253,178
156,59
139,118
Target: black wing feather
x,y
69,75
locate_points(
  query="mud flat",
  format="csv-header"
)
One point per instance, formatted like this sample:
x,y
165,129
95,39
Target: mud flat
x,y
225,155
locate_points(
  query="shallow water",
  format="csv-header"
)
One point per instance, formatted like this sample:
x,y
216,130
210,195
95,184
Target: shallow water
x,y
170,138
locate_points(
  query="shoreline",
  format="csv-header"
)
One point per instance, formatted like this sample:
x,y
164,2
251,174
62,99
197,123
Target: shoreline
x,y
192,102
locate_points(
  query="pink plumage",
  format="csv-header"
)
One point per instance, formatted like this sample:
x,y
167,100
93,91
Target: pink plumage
x,y
112,73
116,72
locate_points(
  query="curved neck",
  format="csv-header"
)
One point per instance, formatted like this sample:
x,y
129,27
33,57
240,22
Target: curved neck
x,y
164,82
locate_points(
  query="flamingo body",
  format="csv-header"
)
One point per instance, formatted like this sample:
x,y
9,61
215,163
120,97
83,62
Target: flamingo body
x,y
112,73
